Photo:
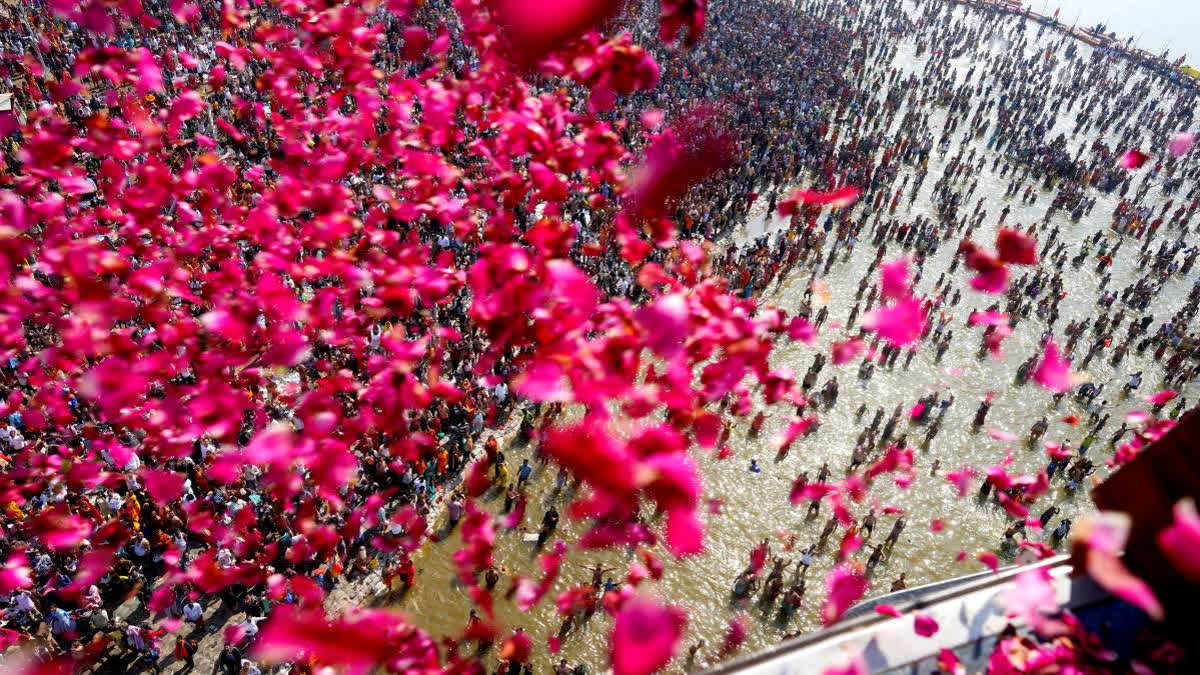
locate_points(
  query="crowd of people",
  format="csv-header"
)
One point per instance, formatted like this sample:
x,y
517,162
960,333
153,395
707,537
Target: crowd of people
x,y
809,91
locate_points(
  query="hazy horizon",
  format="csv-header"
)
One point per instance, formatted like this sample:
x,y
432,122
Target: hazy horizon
x,y
1155,24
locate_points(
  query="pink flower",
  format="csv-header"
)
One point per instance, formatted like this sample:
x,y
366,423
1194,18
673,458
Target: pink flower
x,y
989,559
924,625
993,280
680,157
993,275
1137,416
1053,372
59,529
645,636
1107,570
356,640
1133,159
518,647
888,610
800,329
1180,541
797,428
1103,536
477,481
544,381
936,525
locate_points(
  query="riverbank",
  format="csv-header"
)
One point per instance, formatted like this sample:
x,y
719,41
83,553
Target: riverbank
x,y
1092,38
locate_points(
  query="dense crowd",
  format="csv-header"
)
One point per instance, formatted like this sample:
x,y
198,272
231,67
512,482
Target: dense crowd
x,y
123,522
146,496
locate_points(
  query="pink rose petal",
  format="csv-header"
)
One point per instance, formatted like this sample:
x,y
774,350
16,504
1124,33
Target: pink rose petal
x,y
645,636
1133,159
1181,144
1180,541
924,625
1053,372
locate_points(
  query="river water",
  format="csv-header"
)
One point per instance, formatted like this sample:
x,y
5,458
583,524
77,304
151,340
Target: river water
x,y
755,505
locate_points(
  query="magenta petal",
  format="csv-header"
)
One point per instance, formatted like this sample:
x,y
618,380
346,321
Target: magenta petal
x,y
993,280
900,323
543,381
894,282
685,533
888,610
1107,570
847,351
1180,541
164,486
844,589
924,625
1181,144
1162,397
1054,372
1134,159
645,636
1015,248
800,329
665,323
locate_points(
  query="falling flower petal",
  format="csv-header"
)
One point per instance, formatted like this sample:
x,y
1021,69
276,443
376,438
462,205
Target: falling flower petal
x,y
844,352
1107,570
645,636
1180,541
1134,159
893,279
164,486
665,322
888,610
1053,372
844,588
1162,397
534,28
900,323
948,663
1002,435
924,625
1015,248
1181,144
